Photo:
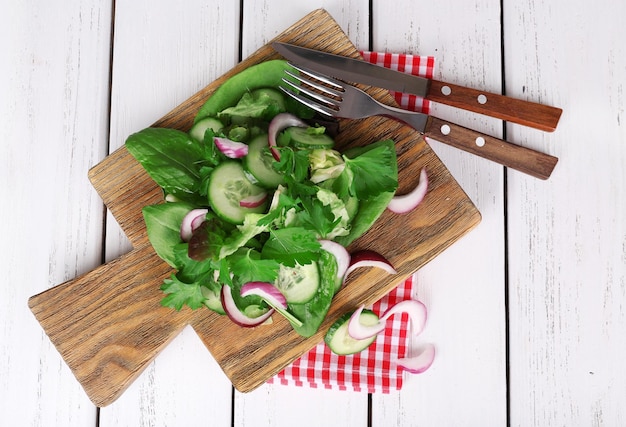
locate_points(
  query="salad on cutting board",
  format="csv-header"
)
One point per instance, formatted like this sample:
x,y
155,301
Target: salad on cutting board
x,y
260,207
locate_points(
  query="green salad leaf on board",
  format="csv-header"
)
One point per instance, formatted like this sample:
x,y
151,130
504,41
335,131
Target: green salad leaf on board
x,y
251,229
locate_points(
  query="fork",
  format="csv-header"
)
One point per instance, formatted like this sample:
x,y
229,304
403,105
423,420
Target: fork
x,y
330,97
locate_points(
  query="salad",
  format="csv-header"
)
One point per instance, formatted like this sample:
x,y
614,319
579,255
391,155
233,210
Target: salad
x,y
260,206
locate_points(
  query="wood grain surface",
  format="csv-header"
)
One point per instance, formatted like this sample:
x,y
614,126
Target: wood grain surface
x,y
534,163
514,110
108,324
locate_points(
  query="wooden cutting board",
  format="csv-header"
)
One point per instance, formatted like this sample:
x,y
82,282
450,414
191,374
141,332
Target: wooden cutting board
x,y
108,324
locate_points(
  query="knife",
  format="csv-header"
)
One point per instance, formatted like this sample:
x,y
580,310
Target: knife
x,y
518,111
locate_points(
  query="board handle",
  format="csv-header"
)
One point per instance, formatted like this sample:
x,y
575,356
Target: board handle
x,y
108,324
532,114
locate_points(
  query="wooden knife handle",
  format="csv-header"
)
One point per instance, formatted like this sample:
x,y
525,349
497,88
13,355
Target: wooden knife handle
x,y
518,111
523,159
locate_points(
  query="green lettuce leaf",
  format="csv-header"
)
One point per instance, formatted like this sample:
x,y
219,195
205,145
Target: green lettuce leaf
x,y
163,227
172,159
292,245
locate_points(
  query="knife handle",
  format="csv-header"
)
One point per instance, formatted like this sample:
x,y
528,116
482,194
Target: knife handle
x,y
518,111
513,156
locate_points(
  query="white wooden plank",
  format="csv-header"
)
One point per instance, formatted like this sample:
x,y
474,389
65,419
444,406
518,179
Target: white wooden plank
x,y
265,19
278,405
164,53
184,386
568,235
464,287
54,109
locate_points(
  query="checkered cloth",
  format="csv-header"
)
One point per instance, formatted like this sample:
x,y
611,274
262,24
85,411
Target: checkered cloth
x,y
411,64
369,371
373,369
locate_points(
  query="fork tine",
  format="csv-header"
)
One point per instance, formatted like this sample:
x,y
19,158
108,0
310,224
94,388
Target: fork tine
x,y
323,78
294,90
315,85
308,92
322,109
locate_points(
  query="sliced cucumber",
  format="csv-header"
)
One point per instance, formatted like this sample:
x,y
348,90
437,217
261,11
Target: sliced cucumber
x,y
198,130
254,311
340,342
298,284
212,300
228,185
303,138
258,163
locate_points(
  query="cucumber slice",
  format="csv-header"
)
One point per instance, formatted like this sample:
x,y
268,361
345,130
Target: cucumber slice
x,y
228,185
298,284
258,163
198,130
212,300
340,342
300,137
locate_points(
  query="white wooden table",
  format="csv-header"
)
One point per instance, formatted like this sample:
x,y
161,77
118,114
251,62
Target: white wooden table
x,y
528,311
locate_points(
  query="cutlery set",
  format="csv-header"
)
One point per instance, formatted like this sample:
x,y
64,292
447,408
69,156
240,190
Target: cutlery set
x,y
321,90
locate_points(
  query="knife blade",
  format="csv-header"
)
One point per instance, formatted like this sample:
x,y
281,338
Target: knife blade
x,y
532,114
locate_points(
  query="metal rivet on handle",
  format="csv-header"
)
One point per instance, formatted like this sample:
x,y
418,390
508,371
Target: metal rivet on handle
x,y
446,90
482,99
445,129
480,141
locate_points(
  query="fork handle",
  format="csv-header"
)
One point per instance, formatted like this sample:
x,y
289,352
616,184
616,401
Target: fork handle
x,y
516,157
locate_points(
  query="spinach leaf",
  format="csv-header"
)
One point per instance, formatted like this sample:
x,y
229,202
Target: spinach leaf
x,y
163,228
172,159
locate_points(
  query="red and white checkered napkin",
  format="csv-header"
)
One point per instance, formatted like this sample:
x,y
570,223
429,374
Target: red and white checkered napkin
x,y
372,370
411,64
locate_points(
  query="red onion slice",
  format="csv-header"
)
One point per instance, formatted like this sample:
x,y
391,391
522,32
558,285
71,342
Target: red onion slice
x,y
197,221
279,122
340,253
253,201
415,309
359,331
369,258
419,363
273,297
267,291
231,149
233,312
191,222
407,202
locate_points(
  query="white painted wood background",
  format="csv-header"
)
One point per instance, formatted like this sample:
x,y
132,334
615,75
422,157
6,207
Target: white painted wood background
x,y
528,311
